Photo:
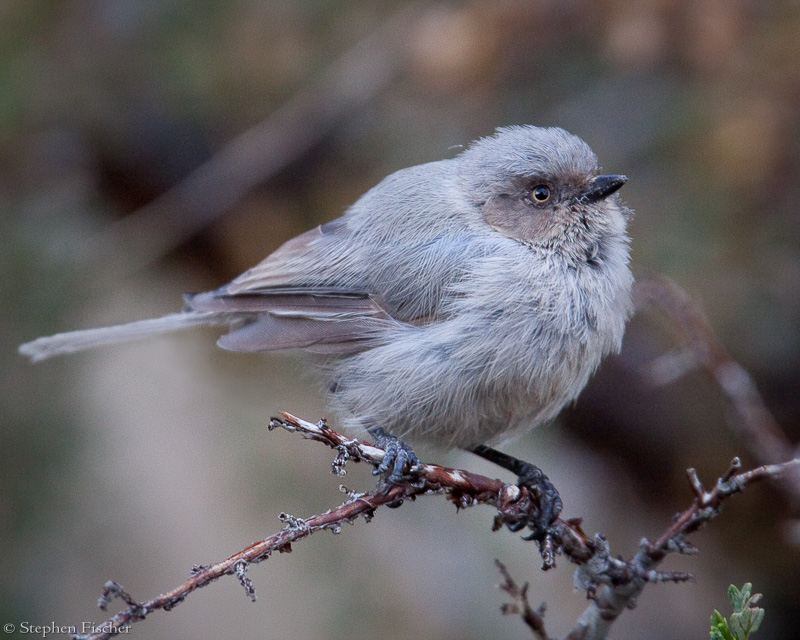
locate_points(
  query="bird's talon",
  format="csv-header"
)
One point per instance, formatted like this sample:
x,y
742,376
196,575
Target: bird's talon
x,y
397,458
550,504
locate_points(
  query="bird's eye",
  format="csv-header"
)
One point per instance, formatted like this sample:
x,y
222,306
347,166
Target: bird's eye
x,y
540,193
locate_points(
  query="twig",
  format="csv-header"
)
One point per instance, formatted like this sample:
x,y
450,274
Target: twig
x,y
296,529
612,583
534,618
514,505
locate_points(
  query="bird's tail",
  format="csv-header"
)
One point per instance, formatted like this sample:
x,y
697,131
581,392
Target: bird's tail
x,y
72,341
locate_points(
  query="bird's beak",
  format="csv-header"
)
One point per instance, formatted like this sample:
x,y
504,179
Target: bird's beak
x,y
603,186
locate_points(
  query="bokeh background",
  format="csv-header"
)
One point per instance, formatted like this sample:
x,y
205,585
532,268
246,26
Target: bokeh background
x,y
135,462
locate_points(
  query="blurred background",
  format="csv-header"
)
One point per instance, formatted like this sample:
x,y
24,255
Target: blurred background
x,y
149,148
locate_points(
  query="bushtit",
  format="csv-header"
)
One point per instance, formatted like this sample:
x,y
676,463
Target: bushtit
x,y
459,301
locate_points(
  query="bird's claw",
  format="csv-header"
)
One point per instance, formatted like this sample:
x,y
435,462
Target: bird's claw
x,y
533,478
399,457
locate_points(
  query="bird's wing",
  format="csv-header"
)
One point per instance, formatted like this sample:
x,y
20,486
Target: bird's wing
x,y
293,262
317,319
285,302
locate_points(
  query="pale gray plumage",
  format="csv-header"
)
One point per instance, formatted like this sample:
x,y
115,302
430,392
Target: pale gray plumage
x,y
453,305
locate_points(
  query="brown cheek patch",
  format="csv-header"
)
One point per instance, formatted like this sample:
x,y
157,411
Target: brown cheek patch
x,y
516,220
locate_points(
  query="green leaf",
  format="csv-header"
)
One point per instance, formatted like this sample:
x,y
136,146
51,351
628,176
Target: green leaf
x,y
716,635
746,622
739,598
719,627
745,619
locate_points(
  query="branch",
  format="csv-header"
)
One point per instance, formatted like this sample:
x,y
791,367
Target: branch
x,y
296,529
534,618
612,583
515,506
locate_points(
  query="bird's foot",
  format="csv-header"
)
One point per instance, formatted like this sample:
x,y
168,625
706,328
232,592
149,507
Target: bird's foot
x,y
400,459
533,478
537,483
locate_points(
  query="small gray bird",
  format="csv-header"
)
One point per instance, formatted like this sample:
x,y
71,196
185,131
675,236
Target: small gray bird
x,y
458,301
